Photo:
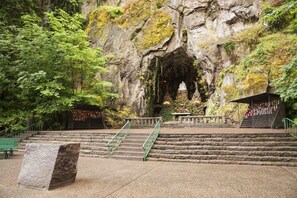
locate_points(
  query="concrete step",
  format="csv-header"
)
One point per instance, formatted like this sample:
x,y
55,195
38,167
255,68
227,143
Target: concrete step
x,y
127,153
93,152
224,135
224,139
84,152
225,152
68,139
137,145
259,163
133,141
75,133
72,137
131,148
231,148
138,135
63,140
121,157
128,148
210,143
92,155
224,157
82,146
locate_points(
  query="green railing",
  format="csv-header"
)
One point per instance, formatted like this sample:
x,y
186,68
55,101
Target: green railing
x,y
118,138
151,140
26,132
290,127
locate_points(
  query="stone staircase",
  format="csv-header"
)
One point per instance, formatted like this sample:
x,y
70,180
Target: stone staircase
x,y
92,144
131,147
277,149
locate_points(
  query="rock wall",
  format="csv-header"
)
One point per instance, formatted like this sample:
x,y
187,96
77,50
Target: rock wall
x,y
185,36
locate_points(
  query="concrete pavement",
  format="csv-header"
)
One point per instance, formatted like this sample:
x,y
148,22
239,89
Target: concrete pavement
x,y
118,178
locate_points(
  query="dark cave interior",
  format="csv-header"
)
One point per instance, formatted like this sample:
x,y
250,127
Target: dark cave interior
x,y
168,72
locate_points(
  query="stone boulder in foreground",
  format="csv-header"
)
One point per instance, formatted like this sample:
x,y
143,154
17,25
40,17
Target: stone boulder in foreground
x,y
49,166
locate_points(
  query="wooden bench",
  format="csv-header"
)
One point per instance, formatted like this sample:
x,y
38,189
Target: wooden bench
x,y
7,145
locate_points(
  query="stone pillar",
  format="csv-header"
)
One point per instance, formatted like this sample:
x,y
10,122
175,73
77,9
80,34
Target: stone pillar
x,y
48,166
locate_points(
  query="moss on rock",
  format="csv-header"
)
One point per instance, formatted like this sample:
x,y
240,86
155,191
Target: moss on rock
x,y
156,30
156,22
100,18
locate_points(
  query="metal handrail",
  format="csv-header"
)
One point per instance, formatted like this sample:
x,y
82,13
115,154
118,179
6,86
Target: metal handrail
x,y
118,138
26,132
149,142
290,127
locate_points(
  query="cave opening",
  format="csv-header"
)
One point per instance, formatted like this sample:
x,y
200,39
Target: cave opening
x,y
168,72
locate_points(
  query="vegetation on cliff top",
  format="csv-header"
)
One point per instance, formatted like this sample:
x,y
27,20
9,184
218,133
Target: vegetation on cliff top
x,y
155,23
272,61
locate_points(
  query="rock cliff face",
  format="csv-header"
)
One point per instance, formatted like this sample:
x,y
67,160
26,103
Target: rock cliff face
x,y
157,44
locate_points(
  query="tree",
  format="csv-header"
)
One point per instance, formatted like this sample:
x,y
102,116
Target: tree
x,y
47,69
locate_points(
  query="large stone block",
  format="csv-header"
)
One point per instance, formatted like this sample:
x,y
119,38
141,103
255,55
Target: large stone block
x,y
48,166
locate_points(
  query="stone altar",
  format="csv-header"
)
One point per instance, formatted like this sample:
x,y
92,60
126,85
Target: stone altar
x,y
48,166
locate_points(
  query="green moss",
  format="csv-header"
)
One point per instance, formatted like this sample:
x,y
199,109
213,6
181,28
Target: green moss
x,y
273,52
230,91
101,17
229,47
250,36
263,64
156,30
256,70
135,12
224,71
281,17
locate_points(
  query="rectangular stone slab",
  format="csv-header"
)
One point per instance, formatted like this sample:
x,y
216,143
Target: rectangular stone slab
x,y
48,166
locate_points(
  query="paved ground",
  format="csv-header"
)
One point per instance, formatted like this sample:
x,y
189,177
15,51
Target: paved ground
x,y
117,178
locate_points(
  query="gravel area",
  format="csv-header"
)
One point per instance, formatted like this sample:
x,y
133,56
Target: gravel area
x,y
118,178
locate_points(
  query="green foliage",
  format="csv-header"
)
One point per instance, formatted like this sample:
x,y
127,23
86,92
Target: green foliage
x,y
249,37
70,6
115,117
271,47
287,83
293,27
281,17
261,66
45,70
229,47
166,112
12,10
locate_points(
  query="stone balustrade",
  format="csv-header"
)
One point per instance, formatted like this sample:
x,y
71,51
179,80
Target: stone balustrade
x,y
209,120
143,121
